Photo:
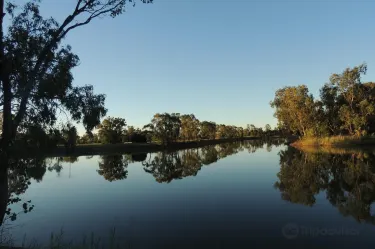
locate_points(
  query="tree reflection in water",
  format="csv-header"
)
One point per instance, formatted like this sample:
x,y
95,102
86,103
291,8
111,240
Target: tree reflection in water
x,y
113,167
169,166
347,179
164,166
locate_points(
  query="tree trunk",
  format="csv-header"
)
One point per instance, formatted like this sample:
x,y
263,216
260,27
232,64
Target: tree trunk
x,y
3,186
7,129
7,94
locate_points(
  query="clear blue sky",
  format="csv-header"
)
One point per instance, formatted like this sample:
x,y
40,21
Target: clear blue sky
x,y
221,60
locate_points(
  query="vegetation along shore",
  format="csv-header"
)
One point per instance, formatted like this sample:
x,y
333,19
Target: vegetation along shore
x,y
343,116
165,132
95,149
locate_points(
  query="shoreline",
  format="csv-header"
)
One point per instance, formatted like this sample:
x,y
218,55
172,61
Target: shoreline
x,y
334,143
136,148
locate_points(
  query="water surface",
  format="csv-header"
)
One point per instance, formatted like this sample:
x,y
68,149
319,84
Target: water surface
x,y
238,195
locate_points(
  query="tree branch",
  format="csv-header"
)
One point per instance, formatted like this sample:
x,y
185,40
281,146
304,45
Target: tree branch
x,y
96,13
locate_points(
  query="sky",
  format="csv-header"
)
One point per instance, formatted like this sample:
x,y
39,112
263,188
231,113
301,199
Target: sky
x,y
220,60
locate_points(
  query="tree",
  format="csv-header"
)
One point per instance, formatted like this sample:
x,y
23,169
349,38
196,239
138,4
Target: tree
x,y
207,130
189,127
331,101
251,130
129,133
70,137
165,127
346,106
221,131
296,110
267,129
88,138
357,99
240,132
111,130
35,69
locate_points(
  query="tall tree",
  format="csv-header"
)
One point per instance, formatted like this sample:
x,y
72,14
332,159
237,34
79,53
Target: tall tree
x,y
111,130
129,133
295,109
70,137
189,127
207,130
221,131
267,128
358,99
331,101
35,68
165,127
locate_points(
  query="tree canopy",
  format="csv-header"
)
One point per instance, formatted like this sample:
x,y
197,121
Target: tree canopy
x,y
346,106
35,67
112,130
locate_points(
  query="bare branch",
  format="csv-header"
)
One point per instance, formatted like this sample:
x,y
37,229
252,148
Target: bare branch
x,y
77,6
94,14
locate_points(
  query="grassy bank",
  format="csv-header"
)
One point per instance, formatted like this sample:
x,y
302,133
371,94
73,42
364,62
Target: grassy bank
x,y
336,142
95,149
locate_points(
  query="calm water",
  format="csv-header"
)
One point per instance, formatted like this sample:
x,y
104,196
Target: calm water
x,y
239,195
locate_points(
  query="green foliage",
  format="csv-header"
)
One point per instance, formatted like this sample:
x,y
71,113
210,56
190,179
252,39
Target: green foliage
x,y
40,73
189,127
129,133
35,68
295,109
207,130
70,136
267,129
111,130
88,138
346,106
165,127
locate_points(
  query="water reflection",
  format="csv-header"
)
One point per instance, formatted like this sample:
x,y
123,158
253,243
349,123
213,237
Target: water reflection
x,y
347,179
168,166
163,166
113,167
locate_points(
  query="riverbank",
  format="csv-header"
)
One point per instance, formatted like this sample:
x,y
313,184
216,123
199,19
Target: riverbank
x,y
102,149
336,142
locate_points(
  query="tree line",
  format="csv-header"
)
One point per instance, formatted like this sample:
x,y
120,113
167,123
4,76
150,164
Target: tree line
x,y
346,106
166,128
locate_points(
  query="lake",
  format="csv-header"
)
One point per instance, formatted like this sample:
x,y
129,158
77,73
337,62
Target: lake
x,y
250,194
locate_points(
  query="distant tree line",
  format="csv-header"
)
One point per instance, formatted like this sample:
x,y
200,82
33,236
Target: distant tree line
x,y
167,128
346,106
163,129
